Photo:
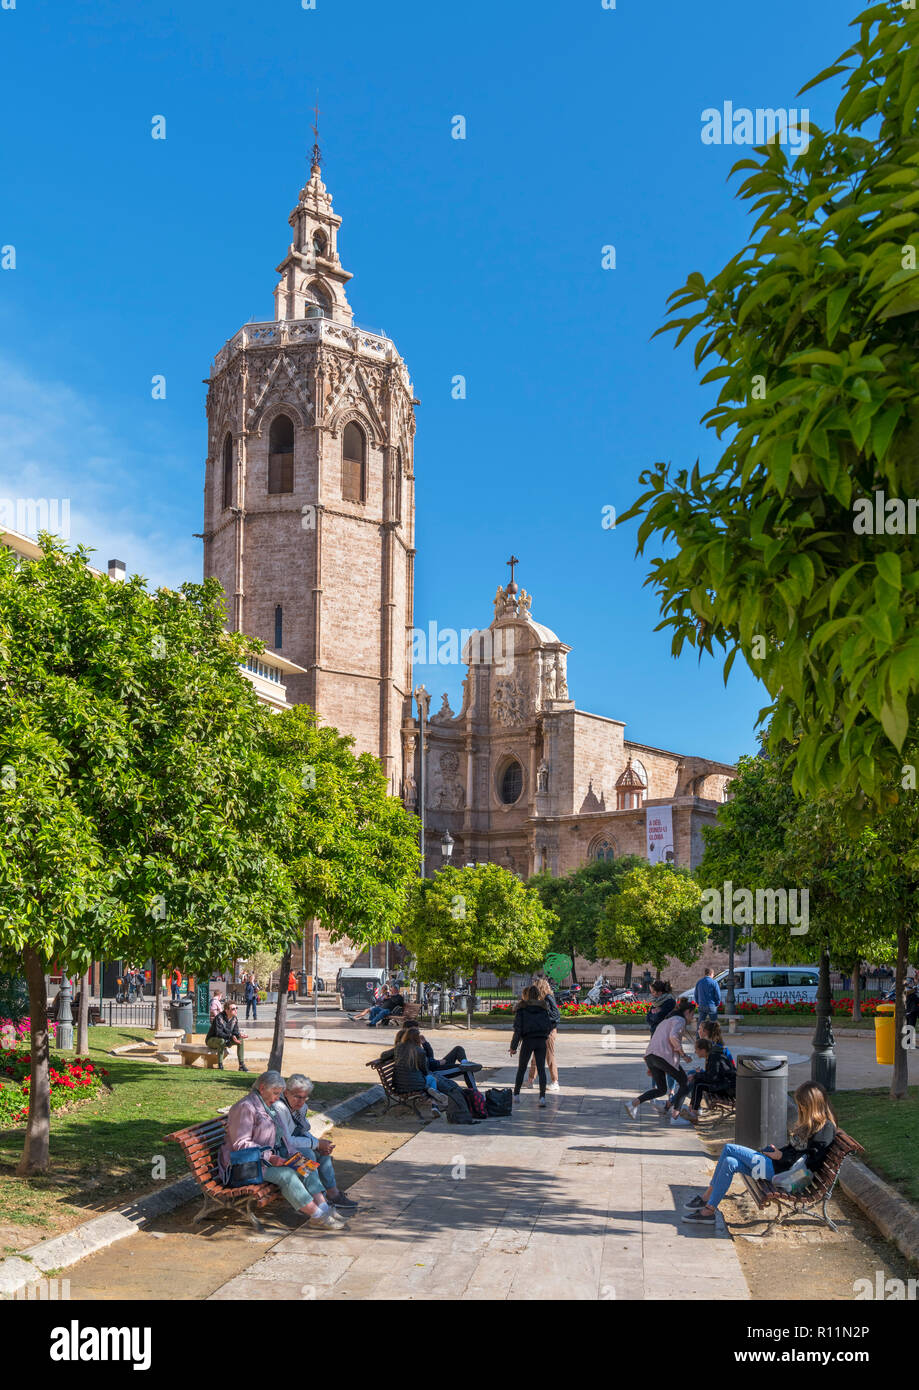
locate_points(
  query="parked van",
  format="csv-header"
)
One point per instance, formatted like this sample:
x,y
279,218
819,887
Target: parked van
x,y
761,984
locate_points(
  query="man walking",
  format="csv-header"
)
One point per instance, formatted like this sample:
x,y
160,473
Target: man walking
x,y
251,995
707,996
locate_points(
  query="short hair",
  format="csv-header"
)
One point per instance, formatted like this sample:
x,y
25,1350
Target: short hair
x,y
709,970
269,1078
704,1045
298,1082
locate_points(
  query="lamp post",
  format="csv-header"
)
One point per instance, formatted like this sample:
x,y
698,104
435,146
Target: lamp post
x,y
730,1007
64,1032
823,1055
423,701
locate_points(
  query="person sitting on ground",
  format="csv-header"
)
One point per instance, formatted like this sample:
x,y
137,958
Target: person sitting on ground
x,y
224,1033
717,1077
252,1126
532,1026
542,984
290,1110
664,1058
809,1140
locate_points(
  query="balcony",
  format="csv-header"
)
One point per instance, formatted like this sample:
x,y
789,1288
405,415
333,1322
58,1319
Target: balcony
x,y
280,333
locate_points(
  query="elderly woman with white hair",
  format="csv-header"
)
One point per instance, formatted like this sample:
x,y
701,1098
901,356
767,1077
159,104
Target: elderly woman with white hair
x,y
290,1110
255,1151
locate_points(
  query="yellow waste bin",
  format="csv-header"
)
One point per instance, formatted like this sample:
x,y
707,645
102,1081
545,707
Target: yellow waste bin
x,y
884,1039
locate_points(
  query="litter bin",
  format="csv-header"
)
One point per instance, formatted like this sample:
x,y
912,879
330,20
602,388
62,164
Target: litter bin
x,y
885,1043
184,1015
761,1116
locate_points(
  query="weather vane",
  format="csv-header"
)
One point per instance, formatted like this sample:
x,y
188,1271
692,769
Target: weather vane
x,y
317,156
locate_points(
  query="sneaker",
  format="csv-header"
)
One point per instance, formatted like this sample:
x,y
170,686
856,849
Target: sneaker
x,y
553,1086
677,1122
243,1067
694,1203
632,1109
324,1223
542,1100
699,1218
330,1214
659,1104
343,1202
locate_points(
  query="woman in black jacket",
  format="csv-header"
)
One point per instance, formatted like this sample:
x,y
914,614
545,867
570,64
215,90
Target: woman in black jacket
x,y
662,1003
532,1026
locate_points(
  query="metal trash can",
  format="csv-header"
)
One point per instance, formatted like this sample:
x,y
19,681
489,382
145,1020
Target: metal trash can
x,y
184,1015
761,1116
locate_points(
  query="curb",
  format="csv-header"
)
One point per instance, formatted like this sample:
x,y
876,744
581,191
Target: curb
x,y
895,1217
59,1252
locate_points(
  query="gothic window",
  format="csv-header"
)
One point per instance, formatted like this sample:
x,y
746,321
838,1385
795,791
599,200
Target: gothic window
x,y
228,471
511,783
317,303
602,848
281,455
278,628
353,458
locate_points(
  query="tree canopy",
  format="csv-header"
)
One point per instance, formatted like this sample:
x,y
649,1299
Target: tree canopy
x,y
654,917
810,333
578,900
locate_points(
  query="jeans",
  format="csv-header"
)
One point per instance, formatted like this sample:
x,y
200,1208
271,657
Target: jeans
x,y
532,1047
660,1070
251,1004
175,994
736,1159
448,1064
221,1048
708,1013
376,1013
294,1190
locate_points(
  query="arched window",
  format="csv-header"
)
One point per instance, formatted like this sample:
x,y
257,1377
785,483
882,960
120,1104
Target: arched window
x,y
602,848
228,471
317,302
278,628
511,783
319,243
281,455
353,455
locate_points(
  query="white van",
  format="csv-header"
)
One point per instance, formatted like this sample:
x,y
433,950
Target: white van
x,y
761,984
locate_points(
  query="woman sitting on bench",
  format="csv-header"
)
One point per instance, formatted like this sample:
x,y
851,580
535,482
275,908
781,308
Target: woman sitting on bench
x,y
412,1071
809,1141
716,1078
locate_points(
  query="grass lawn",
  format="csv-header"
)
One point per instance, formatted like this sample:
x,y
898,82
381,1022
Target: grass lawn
x,y
106,1150
889,1130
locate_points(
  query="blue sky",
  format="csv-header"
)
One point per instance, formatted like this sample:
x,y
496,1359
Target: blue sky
x,y
480,257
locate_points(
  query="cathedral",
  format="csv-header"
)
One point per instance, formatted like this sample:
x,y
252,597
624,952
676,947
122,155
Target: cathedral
x,y
309,525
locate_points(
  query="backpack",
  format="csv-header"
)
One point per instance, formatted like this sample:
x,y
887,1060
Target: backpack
x,y
476,1103
458,1112
499,1101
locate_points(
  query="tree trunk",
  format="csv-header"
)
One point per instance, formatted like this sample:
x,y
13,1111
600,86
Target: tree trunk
x,y
157,998
899,1082
35,1154
628,974
83,1017
574,968
276,1060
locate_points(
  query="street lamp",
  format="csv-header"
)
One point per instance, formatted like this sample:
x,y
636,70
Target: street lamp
x,y
64,1032
423,701
446,847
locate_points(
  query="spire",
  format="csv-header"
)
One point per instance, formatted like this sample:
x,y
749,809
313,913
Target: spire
x,y
316,159
313,281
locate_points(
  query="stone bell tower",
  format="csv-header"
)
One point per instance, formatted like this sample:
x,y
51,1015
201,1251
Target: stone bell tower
x,y
309,491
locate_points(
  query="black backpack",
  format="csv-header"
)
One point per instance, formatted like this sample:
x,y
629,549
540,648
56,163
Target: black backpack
x,y
499,1101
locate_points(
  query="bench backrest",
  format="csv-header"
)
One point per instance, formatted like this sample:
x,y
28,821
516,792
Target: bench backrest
x,y
201,1144
843,1144
385,1071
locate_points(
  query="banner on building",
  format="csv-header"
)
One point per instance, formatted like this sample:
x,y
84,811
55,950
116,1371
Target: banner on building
x,y
660,834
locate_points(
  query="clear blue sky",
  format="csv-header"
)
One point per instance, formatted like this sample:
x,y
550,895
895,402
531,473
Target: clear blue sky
x,y
479,257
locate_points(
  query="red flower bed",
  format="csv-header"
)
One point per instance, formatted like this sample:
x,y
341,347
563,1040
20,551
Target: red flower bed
x,y
78,1079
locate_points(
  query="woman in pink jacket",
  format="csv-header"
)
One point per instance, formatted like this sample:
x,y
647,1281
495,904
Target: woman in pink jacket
x,y
665,1058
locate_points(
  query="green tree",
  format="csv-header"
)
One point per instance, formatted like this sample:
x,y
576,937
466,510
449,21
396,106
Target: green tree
x,y
578,900
139,807
478,916
810,333
351,849
654,917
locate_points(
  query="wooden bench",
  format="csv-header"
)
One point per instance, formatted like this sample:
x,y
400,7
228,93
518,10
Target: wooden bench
x,y
200,1144
385,1071
192,1051
820,1190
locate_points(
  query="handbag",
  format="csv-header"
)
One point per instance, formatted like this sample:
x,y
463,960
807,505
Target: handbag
x,y
499,1101
245,1168
794,1179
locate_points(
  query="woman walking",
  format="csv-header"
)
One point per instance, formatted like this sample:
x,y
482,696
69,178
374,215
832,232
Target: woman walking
x,y
807,1145
545,993
664,1058
532,1026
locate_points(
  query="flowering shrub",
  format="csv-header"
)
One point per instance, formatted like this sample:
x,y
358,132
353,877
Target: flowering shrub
x,y
78,1079
631,1008
841,1008
19,1032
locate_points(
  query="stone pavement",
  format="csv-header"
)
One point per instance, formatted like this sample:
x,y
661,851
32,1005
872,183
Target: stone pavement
x,y
574,1201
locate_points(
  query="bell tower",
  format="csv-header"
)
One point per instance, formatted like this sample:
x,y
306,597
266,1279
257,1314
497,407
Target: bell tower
x,y
309,490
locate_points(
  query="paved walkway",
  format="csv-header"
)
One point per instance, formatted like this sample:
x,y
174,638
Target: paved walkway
x,y
574,1201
